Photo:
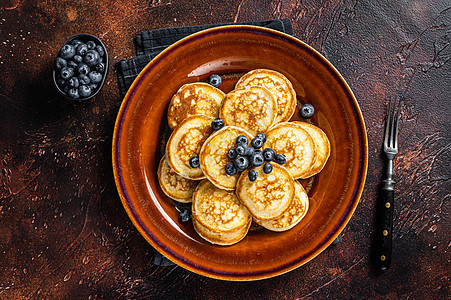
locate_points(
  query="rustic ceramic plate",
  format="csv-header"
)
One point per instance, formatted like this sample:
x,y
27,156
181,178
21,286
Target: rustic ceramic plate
x,y
141,130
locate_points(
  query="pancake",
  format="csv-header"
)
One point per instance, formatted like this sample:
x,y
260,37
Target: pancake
x,y
270,195
218,216
213,156
278,85
293,215
251,108
173,185
296,144
194,99
322,145
223,239
185,142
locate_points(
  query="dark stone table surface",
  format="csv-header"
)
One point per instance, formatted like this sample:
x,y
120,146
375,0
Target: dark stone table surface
x,y
64,233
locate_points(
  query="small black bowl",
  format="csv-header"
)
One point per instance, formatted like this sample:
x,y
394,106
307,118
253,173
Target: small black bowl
x,y
85,38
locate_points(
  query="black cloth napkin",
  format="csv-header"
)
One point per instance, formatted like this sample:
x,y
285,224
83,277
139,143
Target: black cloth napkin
x,y
149,44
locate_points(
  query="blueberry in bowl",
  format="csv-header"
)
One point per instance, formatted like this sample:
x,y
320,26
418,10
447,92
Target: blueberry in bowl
x,y
81,67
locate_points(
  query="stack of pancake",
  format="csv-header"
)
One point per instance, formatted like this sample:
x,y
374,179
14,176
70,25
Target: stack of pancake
x,y
224,206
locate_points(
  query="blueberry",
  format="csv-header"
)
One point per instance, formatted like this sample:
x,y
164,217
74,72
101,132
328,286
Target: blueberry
x,y
252,175
95,76
60,81
241,139
73,82
262,136
82,49
215,80
76,42
249,151
232,153
185,215
72,64
77,58
66,88
217,124
100,50
93,86
67,73
194,161
307,110
100,67
67,51
60,63
269,154
230,169
83,69
84,90
256,160
84,79
91,58
241,163
267,168
241,148
280,159
91,45
73,93
257,142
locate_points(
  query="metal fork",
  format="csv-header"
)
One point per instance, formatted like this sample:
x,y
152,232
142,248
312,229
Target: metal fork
x,y
384,226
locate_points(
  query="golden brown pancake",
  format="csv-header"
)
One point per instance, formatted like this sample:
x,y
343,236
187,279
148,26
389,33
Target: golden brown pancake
x,y
252,108
270,195
278,85
173,185
185,142
218,216
293,215
191,99
322,145
213,156
296,144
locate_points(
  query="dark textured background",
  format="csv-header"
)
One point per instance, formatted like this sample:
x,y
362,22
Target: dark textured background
x,y
63,230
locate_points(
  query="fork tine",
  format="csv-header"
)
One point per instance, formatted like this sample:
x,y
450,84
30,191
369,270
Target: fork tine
x,y
392,123
387,125
395,124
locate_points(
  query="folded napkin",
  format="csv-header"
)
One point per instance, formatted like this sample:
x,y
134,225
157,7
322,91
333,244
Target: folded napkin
x,y
149,44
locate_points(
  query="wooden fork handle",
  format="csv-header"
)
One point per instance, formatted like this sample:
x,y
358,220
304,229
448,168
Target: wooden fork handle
x,y
384,230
